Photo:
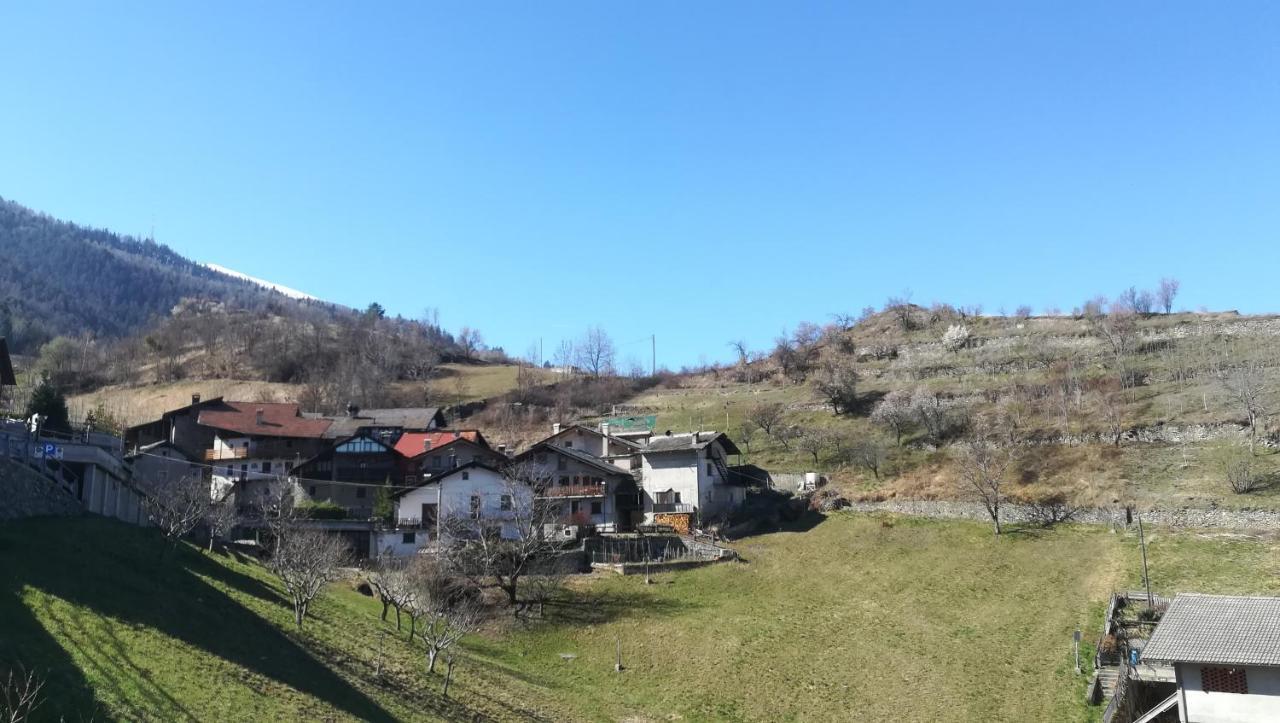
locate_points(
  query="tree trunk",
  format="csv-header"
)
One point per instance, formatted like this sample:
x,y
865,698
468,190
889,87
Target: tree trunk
x,y
386,606
448,675
413,626
431,659
299,612
397,618
995,518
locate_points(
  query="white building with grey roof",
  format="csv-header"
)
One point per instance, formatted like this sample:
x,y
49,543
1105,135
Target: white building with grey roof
x,y
1226,653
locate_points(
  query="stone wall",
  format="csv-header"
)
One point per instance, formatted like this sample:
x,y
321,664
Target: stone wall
x,y
25,493
1182,517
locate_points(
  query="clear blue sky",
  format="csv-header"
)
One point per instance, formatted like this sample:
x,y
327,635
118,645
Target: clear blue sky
x,y
703,171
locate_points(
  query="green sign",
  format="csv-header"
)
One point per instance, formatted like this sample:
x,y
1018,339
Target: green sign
x,y
633,424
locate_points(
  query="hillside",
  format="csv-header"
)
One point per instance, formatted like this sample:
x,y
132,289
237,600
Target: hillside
x,y
60,278
1107,409
852,610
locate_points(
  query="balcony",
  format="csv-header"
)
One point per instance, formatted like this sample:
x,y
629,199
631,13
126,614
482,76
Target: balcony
x,y
660,507
573,491
213,455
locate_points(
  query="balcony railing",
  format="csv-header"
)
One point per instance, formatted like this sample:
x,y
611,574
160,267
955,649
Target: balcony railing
x,y
672,507
212,455
573,491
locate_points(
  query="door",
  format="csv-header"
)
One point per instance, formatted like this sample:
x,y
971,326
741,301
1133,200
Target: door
x,y
428,514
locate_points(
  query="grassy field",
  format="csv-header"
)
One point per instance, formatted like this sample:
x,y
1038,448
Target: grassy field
x,y
902,620
455,383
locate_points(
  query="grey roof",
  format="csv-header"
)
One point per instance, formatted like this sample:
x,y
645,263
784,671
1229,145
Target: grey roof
x,y
1221,629
687,442
408,418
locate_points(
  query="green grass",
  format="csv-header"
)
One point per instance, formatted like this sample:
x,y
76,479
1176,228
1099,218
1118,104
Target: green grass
x,y
911,621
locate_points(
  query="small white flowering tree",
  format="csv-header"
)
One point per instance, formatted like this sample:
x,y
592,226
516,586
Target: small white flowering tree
x,y
955,338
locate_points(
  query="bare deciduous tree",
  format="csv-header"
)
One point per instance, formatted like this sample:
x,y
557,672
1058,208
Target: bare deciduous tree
x,y
20,696
902,310
813,441
894,412
868,452
391,583
838,382
983,467
221,518
1239,467
595,352
470,341
766,415
502,551
177,506
305,560
447,609
1167,292
1246,384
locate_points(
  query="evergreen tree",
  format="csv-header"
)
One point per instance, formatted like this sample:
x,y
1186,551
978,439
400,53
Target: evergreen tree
x,y
48,401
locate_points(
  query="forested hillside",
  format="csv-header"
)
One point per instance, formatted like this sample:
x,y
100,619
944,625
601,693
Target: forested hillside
x,y
59,278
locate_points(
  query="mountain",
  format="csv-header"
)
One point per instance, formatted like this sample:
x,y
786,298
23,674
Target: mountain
x,y
60,278
291,293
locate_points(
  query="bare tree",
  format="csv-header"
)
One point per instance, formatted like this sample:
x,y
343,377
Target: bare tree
x,y
1246,384
1167,292
596,352
502,551
447,608
470,341
1239,467
894,412
902,310
176,507
838,382
983,467
20,696
305,560
221,518
814,441
766,415
1023,312
868,452
391,583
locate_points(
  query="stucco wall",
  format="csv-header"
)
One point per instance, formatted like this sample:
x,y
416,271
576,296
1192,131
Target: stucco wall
x,y
455,500
1262,703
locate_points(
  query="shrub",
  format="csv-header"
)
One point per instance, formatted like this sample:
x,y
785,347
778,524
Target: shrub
x,y
1048,509
321,510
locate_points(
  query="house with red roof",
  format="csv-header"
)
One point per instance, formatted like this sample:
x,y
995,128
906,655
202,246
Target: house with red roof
x,y
255,444
434,453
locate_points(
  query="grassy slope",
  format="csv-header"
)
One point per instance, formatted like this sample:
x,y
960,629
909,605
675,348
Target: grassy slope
x,y
136,404
914,621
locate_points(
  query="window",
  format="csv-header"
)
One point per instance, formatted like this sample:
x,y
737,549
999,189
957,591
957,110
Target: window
x,y
311,490
466,475
409,538
597,507
1224,680
562,464
568,444
266,467
564,480
475,507
360,493
573,507
710,469
505,502
435,460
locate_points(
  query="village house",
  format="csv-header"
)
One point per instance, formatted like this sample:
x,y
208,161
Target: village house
x,y
255,444
598,443
431,453
588,492
350,473
386,425
1225,651
179,427
474,491
686,478
159,463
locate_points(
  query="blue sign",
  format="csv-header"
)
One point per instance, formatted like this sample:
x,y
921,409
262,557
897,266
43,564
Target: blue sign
x,y
46,450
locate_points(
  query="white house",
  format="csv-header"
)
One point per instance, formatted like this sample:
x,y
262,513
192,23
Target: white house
x,y
1225,651
473,490
688,474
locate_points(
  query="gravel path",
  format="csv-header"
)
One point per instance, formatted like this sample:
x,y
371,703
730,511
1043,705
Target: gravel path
x,y
1215,518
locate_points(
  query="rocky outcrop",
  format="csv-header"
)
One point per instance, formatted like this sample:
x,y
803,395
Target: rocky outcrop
x,y
26,493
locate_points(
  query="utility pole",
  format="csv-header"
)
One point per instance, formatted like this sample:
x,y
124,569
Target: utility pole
x,y
1146,578
653,362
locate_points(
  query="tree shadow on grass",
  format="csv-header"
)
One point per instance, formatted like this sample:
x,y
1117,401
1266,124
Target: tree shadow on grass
x,y
111,569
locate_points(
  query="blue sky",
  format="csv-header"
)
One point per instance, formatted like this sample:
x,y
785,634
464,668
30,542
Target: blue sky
x,y
703,171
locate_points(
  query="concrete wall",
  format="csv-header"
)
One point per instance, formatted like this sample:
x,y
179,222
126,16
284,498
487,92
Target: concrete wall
x,y
1262,703
392,542
28,494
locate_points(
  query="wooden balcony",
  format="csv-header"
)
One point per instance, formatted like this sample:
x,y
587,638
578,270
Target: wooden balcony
x,y
672,507
213,455
572,491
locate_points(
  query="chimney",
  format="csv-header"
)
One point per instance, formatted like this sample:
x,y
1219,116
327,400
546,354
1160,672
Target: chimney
x,y
426,445
604,428
352,410
555,428
502,449
604,443
457,434
261,417
195,398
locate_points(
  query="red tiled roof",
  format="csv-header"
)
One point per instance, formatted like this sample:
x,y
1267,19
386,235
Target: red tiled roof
x,y
278,420
412,444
